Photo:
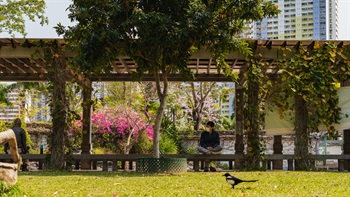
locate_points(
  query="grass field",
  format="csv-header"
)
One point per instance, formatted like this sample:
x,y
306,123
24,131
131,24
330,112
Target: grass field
x,y
271,183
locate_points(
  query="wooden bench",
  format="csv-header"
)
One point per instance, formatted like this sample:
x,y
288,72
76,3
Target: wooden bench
x,y
131,158
197,159
328,165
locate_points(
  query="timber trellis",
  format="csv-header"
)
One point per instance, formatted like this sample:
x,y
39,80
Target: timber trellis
x,y
17,64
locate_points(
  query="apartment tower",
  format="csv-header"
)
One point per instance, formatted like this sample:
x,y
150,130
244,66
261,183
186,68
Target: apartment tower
x,y
299,20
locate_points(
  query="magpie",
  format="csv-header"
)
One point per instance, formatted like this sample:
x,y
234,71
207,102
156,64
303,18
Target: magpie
x,y
235,181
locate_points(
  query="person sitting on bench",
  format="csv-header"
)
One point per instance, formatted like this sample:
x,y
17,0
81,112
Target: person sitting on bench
x,y
210,140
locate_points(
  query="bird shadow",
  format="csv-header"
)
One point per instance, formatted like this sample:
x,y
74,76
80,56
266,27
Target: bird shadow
x,y
243,190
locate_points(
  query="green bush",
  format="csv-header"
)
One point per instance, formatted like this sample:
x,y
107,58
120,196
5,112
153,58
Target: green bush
x,y
167,145
169,138
168,128
98,151
143,145
3,126
190,150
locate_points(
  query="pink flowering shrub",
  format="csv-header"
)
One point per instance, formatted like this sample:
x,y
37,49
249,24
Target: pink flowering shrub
x,y
117,130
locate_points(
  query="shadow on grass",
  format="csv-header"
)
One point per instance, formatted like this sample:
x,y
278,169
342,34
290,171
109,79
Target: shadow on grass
x,y
96,174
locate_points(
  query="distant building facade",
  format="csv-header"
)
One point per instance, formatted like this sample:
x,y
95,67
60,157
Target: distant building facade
x,y
298,20
9,113
33,106
227,104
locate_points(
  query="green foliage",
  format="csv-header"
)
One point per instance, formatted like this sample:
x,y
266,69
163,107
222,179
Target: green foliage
x,y
143,145
227,124
306,86
96,150
312,75
108,141
169,128
257,83
167,145
3,94
169,137
12,14
158,35
3,126
9,191
191,150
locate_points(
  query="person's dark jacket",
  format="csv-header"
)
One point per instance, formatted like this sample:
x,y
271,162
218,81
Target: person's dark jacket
x,y
20,138
209,140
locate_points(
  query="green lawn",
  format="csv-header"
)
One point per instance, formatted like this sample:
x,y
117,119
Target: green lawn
x,y
271,183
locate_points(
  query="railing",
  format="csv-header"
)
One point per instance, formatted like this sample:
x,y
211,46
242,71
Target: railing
x,y
127,162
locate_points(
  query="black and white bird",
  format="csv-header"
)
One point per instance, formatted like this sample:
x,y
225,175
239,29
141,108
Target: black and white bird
x,y
235,181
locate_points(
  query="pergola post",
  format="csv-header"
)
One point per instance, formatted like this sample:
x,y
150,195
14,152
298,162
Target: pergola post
x,y
239,125
251,120
277,149
57,76
346,148
86,146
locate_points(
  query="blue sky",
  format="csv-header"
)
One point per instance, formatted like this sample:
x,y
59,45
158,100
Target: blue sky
x,y
56,12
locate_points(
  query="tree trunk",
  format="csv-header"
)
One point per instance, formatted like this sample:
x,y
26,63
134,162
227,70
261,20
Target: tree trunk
x,y
87,101
198,103
128,142
301,151
196,119
195,114
252,126
124,92
59,118
162,95
157,125
199,117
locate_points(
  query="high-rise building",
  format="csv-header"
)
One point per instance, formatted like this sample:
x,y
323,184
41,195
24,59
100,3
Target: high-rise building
x,y
36,107
226,105
9,113
299,20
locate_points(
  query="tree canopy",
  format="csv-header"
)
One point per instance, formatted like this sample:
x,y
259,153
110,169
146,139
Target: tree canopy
x,y
159,35
12,14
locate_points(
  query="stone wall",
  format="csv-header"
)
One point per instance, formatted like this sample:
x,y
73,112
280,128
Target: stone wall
x,y
228,144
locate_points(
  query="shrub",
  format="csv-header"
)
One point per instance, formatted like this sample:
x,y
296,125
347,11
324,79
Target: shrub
x,y
117,130
167,145
143,145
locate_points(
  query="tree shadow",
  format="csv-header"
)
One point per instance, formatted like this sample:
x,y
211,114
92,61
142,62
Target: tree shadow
x,y
94,173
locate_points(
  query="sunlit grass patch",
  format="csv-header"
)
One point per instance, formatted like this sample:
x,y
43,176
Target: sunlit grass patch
x,y
271,183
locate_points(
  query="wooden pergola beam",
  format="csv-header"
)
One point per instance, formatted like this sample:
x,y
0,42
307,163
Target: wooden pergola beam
x,y
125,64
16,57
10,66
123,77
